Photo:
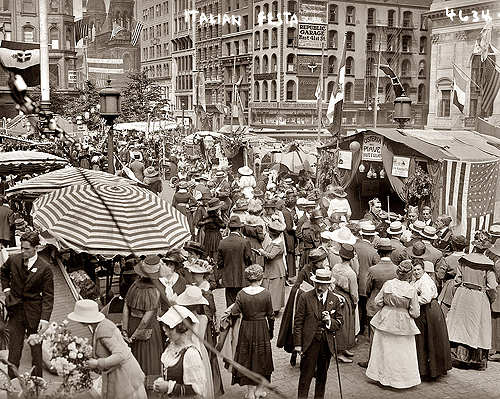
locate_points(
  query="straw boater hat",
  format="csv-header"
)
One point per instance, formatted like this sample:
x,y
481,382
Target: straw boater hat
x,y
214,204
429,232
176,314
343,235
86,311
385,245
149,267
192,295
151,172
20,223
368,230
322,276
288,180
204,176
220,174
395,228
418,226
245,171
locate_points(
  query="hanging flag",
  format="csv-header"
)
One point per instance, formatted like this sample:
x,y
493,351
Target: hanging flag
x,y
490,83
334,112
22,59
396,84
459,88
116,29
240,109
483,42
136,33
318,89
200,86
81,29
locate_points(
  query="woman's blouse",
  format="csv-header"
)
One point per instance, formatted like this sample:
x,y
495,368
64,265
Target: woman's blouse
x,y
426,289
143,295
346,279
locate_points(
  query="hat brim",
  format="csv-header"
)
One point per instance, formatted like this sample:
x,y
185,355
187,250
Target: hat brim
x,y
80,319
335,237
194,249
183,301
197,271
313,278
215,207
341,195
235,225
245,171
434,237
400,231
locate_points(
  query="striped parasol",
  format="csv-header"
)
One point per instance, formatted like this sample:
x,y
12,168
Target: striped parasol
x,y
110,220
51,181
27,162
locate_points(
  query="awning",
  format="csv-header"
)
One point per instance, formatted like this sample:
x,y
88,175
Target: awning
x,y
142,126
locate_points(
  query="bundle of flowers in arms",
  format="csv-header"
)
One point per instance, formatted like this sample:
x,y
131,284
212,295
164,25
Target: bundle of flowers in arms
x,y
69,356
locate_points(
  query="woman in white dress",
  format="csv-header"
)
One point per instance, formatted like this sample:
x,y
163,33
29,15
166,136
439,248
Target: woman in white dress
x,y
247,181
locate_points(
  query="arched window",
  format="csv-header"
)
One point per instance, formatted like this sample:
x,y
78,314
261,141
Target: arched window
x,y
257,40
370,91
348,92
265,91
371,16
423,45
256,65
256,91
421,93
332,65
265,64
274,37
265,8
390,43
54,38
274,90
406,68
349,40
406,88
275,9
406,48
290,90
370,66
349,66
370,41
329,89
68,38
292,7
332,39
350,17
407,19
291,34
290,63
333,13
265,39
422,70
274,63
390,18
257,12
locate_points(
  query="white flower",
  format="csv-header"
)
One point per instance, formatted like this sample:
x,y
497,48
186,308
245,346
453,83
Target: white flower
x,y
72,346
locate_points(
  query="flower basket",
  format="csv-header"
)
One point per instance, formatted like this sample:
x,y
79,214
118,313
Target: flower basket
x,y
418,187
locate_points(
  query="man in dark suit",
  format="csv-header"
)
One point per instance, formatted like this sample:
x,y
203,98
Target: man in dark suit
x,y
290,216
316,319
28,284
7,229
234,257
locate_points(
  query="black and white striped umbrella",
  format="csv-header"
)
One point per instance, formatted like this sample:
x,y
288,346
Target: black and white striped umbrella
x,y
110,220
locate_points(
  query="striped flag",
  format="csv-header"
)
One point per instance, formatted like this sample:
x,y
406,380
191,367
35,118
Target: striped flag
x,y
396,84
334,112
490,83
22,59
468,194
318,89
136,33
81,29
459,88
116,29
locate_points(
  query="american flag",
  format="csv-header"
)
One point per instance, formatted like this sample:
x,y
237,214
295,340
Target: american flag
x,y
136,33
490,83
81,29
468,194
116,29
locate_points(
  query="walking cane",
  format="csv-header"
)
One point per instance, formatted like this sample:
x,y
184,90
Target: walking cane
x,y
338,368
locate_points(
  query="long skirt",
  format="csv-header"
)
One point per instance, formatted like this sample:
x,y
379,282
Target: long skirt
x,y
147,352
285,335
346,336
466,357
393,360
495,331
276,287
433,345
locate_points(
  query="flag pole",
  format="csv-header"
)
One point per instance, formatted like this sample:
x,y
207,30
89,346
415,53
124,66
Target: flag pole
x,y
320,100
234,92
375,100
468,77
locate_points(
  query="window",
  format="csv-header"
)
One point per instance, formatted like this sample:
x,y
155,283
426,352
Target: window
x,y
423,45
349,40
274,90
390,43
350,17
54,6
329,89
290,63
228,48
333,12
245,46
274,37
444,102
68,38
407,19
390,18
332,39
406,68
348,92
265,91
370,41
275,9
54,38
257,12
237,47
257,40
28,34
370,66
423,22
265,8
265,39
256,91
292,5
422,70
371,17
349,66
237,5
291,33
406,44
421,93
265,64
274,63
290,90
245,22
332,65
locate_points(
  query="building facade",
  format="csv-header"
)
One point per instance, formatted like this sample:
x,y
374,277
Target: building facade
x,y
455,29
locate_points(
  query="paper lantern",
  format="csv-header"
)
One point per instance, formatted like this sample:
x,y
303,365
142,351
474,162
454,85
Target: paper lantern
x,y
354,146
361,168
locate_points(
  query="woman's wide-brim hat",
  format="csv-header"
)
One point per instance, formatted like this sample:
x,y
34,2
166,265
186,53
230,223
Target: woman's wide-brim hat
x,y
245,171
149,267
338,191
276,226
86,311
176,314
496,248
343,236
214,204
151,172
323,276
192,295
199,267
194,246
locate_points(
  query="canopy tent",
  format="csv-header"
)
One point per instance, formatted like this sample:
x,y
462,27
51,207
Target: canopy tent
x,y
28,162
462,164
143,126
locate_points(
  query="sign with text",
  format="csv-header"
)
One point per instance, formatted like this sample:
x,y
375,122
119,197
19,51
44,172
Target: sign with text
x,y
372,147
345,160
313,11
400,166
312,35
307,88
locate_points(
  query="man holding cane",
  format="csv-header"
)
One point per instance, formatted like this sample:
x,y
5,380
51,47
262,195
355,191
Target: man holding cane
x,y
316,319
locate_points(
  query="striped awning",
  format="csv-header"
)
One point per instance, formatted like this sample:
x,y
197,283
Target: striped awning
x,y
28,162
111,220
66,177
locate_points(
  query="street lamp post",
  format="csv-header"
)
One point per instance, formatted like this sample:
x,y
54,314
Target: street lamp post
x,y
110,109
402,110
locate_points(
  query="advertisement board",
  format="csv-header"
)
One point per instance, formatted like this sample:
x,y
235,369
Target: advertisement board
x,y
313,11
312,35
372,147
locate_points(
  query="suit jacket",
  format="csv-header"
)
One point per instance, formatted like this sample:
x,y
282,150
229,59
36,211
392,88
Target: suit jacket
x,y
6,221
399,248
35,295
234,257
308,316
377,276
289,232
367,257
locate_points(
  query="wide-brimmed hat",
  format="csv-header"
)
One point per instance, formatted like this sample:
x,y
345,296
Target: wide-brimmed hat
x,y
338,191
194,246
204,176
173,256
395,228
192,295
288,180
245,171
240,205
482,240
214,204
219,174
494,230
478,259
276,226
429,232
418,226
199,266
270,203
317,255
176,314
254,206
257,192
316,214
20,223
346,251
385,245
149,267
183,185
419,250
323,276
343,235
368,230
86,311
151,172
235,222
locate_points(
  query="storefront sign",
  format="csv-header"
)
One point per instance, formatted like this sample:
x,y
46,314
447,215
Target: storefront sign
x,y
345,160
313,11
372,147
400,166
71,76
265,76
312,35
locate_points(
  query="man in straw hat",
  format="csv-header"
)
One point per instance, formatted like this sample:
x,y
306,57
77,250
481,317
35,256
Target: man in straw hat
x,y
394,232
234,257
316,319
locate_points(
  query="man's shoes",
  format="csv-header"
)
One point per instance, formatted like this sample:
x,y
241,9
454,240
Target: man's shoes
x,y
343,359
348,353
363,364
293,358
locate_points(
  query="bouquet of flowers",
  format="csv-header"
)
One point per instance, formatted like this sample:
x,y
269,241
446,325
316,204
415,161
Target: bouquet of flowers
x,y
70,355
